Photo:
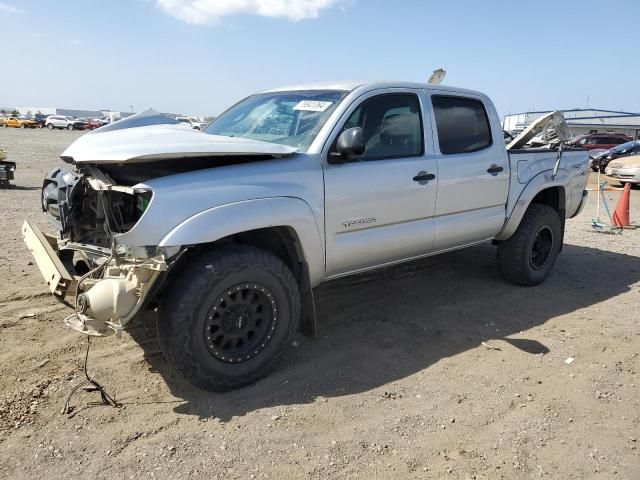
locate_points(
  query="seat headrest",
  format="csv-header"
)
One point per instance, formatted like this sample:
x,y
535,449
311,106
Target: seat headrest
x,y
400,126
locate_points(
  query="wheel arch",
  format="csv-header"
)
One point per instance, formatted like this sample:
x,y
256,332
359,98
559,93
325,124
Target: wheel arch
x,y
239,218
537,191
283,226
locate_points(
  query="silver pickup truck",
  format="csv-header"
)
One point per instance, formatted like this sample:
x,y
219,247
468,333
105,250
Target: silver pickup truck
x,y
227,231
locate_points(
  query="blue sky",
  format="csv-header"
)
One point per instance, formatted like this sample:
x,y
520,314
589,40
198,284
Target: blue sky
x,y
167,55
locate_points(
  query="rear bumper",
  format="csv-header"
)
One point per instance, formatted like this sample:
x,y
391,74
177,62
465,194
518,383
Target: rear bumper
x,y
583,202
44,250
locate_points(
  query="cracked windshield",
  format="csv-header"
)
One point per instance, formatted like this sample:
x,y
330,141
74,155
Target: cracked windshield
x,y
288,118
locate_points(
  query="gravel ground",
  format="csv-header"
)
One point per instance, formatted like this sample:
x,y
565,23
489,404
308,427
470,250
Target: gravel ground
x,y
433,369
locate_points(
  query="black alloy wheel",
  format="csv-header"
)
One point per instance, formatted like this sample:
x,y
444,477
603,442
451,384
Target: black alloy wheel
x,y
240,323
541,248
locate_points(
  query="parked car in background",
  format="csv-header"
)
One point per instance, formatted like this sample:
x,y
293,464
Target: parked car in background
x,y
93,123
195,124
624,170
599,140
20,122
59,121
80,124
41,118
601,160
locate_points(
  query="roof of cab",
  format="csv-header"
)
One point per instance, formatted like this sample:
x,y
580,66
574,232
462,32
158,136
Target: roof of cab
x,y
370,85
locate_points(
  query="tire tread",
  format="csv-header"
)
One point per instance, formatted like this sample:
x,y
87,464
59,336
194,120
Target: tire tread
x,y
195,281
513,253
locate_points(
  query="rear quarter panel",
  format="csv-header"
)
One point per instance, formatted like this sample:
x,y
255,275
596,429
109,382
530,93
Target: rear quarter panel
x,y
533,172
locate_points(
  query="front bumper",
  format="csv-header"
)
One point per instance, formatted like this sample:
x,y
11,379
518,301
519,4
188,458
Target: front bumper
x,y
624,175
105,304
43,248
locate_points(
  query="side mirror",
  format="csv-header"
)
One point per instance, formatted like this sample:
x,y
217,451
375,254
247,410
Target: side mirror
x,y
350,143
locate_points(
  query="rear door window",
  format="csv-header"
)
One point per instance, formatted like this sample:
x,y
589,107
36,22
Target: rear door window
x,y
462,124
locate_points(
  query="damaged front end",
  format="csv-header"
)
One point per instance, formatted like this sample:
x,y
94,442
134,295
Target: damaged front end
x,y
106,255
110,282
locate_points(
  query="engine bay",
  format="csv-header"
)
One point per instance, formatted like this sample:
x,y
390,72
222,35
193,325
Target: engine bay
x,y
86,207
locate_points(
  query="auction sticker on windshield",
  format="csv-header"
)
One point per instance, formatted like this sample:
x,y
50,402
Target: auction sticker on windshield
x,y
312,105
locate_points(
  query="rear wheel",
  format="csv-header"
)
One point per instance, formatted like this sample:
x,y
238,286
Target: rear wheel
x,y
529,255
70,127
228,317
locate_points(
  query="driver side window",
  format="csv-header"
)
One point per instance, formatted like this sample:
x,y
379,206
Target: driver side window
x,y
391,126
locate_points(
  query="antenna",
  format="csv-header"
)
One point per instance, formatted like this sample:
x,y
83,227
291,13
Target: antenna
x,y
437,76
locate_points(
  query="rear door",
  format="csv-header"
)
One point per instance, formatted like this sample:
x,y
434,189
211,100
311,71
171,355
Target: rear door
x,y
473,171
379,207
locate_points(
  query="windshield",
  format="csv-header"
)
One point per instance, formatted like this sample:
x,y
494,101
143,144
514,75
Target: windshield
x,y
289,118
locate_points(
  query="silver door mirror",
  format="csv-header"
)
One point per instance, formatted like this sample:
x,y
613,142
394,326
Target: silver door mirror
x,y
350,143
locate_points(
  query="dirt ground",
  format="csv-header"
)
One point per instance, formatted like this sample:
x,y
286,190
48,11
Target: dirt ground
x,y
434,369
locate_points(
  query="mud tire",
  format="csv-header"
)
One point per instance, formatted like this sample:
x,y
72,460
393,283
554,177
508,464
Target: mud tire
x,y
517,257
189,297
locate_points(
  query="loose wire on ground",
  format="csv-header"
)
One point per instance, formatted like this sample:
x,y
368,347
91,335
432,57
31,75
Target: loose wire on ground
x,y
89,385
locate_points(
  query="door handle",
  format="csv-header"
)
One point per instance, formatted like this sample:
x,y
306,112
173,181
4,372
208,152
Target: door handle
x,y
423,177
494,169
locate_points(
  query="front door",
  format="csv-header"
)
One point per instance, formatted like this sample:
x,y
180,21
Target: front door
x,y
379,206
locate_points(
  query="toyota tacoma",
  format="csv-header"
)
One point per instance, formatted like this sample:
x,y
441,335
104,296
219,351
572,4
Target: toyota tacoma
x,y
227,232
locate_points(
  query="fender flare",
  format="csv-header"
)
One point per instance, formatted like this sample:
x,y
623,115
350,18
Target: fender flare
x,y
537,184
231,218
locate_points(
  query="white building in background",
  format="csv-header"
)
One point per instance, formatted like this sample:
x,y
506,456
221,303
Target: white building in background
x,y
582,120
34,110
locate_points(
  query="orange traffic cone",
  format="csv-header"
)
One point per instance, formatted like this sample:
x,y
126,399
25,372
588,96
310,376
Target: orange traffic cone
x,y
620,216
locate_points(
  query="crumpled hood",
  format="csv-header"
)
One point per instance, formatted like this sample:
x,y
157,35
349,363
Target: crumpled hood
x,y
157,142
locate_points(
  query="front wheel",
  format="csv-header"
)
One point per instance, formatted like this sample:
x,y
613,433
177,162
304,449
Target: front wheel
x,y
69,127
529,255
228,317
50,126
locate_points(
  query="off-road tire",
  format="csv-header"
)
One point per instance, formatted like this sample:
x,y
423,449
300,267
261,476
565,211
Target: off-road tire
x,y
188,298
515,254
